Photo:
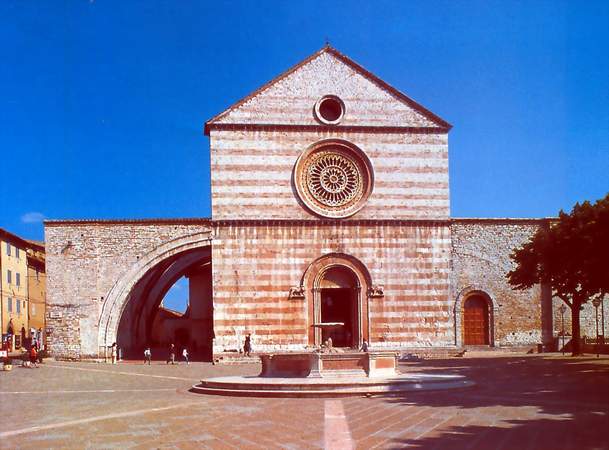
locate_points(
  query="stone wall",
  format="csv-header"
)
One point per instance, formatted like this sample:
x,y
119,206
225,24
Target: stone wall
x,y
85,259
480,262
251,173
255,263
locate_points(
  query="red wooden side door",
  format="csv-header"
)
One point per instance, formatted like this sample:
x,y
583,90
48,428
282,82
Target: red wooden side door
x,y
475,321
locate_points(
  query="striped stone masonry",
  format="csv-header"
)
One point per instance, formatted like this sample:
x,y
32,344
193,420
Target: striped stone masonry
x,y
255,264
251,174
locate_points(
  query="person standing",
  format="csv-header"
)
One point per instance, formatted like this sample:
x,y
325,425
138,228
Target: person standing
x,y
185,355
172,354
33,357
113,353
247,346
10,331
147,355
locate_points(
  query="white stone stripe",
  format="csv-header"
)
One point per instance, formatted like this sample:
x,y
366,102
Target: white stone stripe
x,y
250,308
260,316
133,374
388,304
91,391
254,160
70,423
236,200
253,295
407,315
255,281
274,332
394,273
238,143
220,175
287,188
375,243
336,429
288,305
297,273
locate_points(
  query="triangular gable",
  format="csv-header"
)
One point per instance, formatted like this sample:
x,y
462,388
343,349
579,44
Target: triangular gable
x,y
289,98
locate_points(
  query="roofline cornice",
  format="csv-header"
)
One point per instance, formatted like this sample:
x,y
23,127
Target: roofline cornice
x,y
322,128
305,222
160,221
13,238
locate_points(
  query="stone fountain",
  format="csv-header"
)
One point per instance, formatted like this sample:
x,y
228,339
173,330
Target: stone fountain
x,y
329,372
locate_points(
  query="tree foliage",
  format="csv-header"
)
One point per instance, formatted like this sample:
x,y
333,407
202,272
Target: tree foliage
x,y
571,255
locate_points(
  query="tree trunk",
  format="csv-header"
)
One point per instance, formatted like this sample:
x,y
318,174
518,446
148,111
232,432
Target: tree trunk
x,y
575,341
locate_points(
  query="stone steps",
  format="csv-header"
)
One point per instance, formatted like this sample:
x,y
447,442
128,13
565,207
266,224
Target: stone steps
x,y
328,387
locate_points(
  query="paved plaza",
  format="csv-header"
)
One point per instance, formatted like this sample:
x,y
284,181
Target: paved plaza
x,y
520,402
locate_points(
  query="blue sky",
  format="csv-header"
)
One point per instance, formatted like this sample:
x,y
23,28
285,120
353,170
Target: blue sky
x,y
103,102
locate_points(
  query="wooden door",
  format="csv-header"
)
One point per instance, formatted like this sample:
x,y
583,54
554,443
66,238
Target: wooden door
x,y
475,321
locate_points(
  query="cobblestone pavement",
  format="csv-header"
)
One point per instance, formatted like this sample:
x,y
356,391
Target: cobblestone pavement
x,y
520,402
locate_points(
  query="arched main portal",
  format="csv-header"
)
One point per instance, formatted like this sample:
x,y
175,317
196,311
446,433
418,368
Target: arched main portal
x,y
131,306
336,288
338,292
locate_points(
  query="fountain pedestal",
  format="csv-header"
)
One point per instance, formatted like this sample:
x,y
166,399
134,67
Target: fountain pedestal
x,y
321,365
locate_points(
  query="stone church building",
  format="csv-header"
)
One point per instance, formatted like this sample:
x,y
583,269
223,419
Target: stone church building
x,y
330,218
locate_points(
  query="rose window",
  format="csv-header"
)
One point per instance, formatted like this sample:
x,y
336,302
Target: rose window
x,y
333,179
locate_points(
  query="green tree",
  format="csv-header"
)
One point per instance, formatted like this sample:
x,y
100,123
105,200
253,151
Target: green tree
x,y
571,255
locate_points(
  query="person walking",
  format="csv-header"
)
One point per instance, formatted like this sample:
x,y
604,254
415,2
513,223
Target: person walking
x,y
247,346
147,355
113,353
172,354
185,355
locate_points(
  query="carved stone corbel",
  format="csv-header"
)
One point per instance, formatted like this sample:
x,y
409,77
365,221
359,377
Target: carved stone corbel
x,y
376,291
297,292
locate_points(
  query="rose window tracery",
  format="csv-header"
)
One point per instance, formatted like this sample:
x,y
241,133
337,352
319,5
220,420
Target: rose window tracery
x,y
333,179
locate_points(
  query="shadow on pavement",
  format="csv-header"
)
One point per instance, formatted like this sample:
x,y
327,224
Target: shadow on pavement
x,y
567,401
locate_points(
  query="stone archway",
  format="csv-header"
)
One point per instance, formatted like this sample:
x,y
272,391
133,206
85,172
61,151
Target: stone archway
x,y
356,279
118,296
479,301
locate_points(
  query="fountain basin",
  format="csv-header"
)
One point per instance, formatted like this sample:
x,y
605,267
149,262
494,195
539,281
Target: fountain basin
x,y
320,365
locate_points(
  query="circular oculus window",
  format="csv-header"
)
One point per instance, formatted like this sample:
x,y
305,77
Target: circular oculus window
x,y
333,179
330,110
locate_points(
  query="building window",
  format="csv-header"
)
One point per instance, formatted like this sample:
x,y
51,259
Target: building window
x,y
18,305
33,309
17,252
8,249
18,279
9,276
10,304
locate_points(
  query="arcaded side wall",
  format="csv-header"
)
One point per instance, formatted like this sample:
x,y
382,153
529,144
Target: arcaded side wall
x,y
481,250
255,263
84,260
251,173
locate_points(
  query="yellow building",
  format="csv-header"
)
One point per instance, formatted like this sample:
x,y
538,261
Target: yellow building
x,y
15,275
36,288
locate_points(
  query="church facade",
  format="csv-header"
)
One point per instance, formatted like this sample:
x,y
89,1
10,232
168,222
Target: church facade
x,y
330,218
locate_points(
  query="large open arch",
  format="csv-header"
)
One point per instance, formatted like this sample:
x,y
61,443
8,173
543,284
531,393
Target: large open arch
x,y
149,278
338,271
